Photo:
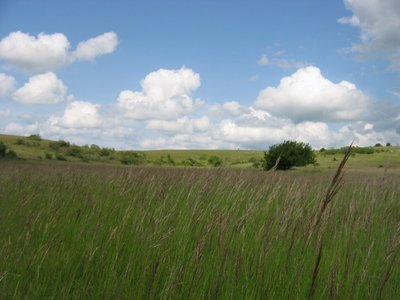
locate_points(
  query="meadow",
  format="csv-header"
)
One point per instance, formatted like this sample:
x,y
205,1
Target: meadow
x,y
35,149
87,231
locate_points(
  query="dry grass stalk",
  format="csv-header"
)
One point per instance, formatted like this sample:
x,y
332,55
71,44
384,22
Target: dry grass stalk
x,y
387,276
334,187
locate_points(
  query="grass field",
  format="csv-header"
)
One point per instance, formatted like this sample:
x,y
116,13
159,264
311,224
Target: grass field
x,y
382,160
85,231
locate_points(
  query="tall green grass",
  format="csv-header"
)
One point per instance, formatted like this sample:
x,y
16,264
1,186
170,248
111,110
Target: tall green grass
x,y
96,232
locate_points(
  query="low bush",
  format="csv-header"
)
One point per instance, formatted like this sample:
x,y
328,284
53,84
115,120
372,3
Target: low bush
x,y
5,152
133,158
215,161
287,155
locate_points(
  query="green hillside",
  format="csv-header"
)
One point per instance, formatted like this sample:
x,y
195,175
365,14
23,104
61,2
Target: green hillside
x,y
34,148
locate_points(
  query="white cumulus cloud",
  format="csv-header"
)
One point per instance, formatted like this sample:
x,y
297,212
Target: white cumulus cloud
x,y
165,95
46,52
234,108
307,96
7,84
100,45
37,54
181,125
41,89
78,114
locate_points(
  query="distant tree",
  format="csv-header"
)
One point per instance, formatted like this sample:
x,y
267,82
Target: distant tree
x,y
388,144
378,145
288,155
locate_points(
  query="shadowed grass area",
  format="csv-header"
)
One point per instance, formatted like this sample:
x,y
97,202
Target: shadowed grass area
x,y
75,231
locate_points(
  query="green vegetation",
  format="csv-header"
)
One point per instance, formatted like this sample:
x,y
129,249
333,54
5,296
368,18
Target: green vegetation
x,y
6,153
287,155
133,158
215,161
84,231
37,149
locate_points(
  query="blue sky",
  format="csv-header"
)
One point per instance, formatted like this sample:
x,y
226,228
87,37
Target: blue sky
x,y
201,74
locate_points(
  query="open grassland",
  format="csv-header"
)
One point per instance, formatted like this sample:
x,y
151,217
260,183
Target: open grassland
x,y
381,158
101,232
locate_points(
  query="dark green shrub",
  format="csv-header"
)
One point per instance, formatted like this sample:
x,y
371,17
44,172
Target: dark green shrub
x,y
60,157
59,144
48,156
11,154
3,149
190,162
287,155
133,158
106,151
5,152
215,161
165,160
74,151
21,142
94,147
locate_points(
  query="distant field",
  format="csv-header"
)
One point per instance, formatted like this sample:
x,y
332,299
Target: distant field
x,y
86,231
384,159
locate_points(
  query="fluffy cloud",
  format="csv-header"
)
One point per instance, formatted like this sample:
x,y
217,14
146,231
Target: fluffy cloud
x,y
318,134
165,95
36,54
46,52
379,22
20,129
78,114
307,96
234,108
7,84
100,45
181,125
184,141
41,89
